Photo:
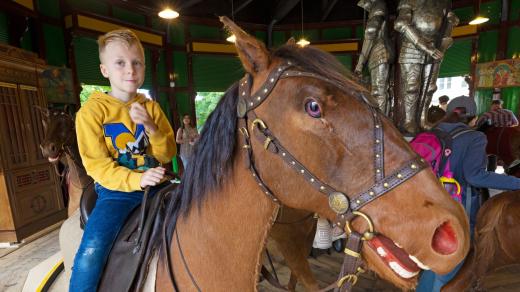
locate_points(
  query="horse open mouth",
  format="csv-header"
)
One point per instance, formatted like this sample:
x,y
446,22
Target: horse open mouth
x,y
397,259
53,159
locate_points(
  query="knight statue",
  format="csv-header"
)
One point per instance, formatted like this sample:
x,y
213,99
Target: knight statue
x,y
378,50
425,27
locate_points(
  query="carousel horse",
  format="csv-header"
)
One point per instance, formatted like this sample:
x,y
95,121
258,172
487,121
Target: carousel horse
x,y
60,147
504,143
496,242
311,139
306,135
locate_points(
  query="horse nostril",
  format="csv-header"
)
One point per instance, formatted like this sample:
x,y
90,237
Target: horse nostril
x,y
52,147
445,240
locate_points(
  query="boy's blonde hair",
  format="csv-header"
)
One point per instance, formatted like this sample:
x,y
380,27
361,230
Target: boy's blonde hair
x,y
125,36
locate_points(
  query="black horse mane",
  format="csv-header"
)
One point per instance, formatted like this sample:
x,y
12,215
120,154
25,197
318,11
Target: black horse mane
x,y
212,158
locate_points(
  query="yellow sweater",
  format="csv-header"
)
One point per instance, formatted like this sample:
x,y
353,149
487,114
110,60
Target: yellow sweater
x,y
115,151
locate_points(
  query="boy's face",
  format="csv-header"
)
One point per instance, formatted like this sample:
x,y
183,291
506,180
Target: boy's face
x,y
124,67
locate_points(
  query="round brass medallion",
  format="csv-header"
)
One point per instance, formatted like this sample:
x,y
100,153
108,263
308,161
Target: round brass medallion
x,y
338,202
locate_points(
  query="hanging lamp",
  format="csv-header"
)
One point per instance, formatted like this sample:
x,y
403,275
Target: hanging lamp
x,y
479,19
302,42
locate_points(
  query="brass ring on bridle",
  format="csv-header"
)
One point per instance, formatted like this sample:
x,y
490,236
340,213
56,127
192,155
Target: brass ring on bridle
x,y
368,234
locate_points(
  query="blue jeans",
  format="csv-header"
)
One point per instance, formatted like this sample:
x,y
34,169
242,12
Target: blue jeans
x,y
107,218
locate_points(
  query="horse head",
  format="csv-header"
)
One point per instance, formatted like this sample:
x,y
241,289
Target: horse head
x,y
504,142
59,133
319,144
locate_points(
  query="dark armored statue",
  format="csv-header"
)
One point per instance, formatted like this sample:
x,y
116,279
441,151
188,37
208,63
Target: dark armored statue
x,y
425,27
377,50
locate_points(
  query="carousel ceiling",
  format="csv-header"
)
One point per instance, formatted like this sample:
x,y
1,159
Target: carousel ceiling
x,y
267,11
262,11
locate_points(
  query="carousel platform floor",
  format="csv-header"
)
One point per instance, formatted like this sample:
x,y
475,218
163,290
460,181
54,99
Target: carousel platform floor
x,y
15,264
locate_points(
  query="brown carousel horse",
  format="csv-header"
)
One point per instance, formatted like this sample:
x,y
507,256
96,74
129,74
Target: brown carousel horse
x,y
504,143
496,242
60,147
306,138
291,235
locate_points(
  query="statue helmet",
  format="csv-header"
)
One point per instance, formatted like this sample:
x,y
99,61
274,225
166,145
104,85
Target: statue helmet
x,y
365,4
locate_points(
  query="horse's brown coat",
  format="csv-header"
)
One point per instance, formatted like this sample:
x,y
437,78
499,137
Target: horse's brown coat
x,y
496,242
222,240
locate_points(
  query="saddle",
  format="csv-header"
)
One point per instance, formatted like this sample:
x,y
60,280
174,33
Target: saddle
x,y
131,249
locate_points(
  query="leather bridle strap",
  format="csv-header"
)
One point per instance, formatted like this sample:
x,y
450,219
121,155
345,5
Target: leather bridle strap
x,y
345,208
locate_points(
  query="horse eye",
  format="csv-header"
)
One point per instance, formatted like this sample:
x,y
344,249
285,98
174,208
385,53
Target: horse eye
x,y
313,108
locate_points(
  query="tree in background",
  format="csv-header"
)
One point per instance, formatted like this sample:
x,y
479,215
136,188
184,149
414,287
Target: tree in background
x,y
88,89
205,103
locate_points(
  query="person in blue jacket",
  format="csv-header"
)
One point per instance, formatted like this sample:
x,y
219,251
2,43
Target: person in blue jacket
x,y
468,163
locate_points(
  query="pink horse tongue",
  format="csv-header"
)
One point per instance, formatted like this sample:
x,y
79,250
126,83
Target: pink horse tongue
x,y
444,240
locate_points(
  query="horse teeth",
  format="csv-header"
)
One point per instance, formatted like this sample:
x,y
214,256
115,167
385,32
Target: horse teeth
x,y
398,245
401,271
381,251
418,262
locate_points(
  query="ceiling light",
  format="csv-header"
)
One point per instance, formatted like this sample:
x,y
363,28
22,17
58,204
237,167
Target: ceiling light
x,y
479,20
168,13
303,42
232,38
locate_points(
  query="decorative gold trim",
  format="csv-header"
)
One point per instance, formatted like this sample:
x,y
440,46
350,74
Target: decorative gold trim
x,y
339,47
352,253
54,270
349,278
68,21
26,87
26,3
464,30
105,26
200,47
258,122
9,85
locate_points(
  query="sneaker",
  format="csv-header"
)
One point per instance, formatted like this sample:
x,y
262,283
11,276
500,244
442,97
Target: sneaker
x,y
338,233
323,237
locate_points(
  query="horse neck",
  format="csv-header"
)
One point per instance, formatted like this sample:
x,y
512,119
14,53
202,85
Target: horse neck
x,y
77,173
222,241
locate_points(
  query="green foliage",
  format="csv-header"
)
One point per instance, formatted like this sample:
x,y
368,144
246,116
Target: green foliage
x,y
205,103
88,89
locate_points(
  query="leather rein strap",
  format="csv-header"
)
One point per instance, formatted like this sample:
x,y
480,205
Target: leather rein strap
x,y
345,207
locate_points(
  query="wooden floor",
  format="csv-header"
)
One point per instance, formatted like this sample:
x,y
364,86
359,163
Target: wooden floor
x,y
16,263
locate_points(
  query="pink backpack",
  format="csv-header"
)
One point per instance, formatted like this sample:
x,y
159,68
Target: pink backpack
x,y
435,146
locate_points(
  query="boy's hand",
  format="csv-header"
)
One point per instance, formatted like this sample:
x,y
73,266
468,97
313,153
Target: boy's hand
x,y
139,115
152,176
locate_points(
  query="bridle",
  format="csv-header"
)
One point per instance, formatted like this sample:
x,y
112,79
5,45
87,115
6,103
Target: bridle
x,y
346,207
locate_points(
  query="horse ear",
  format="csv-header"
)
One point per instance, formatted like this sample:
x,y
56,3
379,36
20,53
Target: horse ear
x,y
252,52
291,41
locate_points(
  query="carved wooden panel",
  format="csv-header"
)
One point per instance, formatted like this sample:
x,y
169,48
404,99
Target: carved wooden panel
x,y
30,192
13,124
32,98
34,194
